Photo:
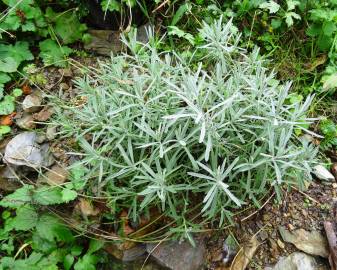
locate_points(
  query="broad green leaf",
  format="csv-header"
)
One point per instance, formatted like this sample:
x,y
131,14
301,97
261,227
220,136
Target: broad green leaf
x,y
272,6
53,54
329,27
87,262
47,195
292,4
330,82
8,64
290,16
4,130
67,26
175,31
50,227
4,78
111,5
25,219
19,52
77,176
276,23
19,197
68,195
186,7
17,92
68,261
95,245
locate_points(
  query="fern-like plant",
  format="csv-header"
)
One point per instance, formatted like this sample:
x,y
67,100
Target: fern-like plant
x,y
159,130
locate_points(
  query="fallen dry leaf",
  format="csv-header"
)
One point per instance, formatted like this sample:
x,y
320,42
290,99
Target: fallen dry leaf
x,y
26,89
86,208
318,61
44,114
244,256
56,176
7,120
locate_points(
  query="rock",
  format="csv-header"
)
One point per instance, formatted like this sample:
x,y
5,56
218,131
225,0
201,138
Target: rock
x,y
44,114
142,33
66,72
179,255
26,122
263,235
24,150
32,102
297,261
334,170
51,132
9,185
104,42
127,255
56,176
230,249
64,86
48,159
41,138
322,173
313,242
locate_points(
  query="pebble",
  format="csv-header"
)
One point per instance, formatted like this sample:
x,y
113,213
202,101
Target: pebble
x,y
32,102
26,122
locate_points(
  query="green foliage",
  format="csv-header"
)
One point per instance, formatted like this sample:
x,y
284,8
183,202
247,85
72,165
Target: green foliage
x,y
53,54
162,130
66,25
329,129
52,242
11,56
24,15
44,195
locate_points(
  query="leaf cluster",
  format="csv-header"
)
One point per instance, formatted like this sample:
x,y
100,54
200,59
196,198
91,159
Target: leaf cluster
x,y
52,242
159,130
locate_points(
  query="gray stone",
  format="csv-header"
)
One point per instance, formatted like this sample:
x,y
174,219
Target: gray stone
x,y
322,173
297,261
32,102
26,122
313,242
24,150
179,255
104,42
51,132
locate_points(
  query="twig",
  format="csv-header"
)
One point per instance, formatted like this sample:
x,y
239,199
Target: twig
x,y
332,240
160,6
306,195
258,210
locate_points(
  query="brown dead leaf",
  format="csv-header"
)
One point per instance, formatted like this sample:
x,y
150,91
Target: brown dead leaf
x,y
56,176
44,114
319,61
26,89
126,227
244,256
7,120
86,208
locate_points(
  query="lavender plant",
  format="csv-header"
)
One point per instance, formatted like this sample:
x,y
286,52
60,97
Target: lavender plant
x,y
159,130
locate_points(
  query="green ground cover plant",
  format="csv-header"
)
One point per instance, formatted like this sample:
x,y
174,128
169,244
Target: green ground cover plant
x,y
160,130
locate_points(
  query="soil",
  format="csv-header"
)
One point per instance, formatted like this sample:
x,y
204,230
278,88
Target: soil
x,y
307,210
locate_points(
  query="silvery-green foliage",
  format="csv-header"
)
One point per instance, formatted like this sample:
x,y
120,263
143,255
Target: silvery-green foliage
x,y
160,130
